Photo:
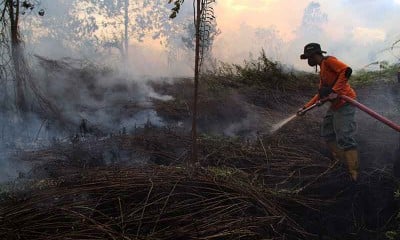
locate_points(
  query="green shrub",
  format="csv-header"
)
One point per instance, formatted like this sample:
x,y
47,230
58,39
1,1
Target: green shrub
x,y
386,74
261,73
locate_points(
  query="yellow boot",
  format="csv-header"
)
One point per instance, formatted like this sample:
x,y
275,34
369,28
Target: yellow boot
x,y
337,153
351,157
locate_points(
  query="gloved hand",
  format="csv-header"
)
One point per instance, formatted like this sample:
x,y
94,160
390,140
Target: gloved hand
x,y
300,112
332,96
319,103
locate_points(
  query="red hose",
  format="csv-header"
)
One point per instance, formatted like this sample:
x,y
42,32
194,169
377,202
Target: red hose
x,y
371,113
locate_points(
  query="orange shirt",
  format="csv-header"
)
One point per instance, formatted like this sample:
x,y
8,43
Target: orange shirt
x,y
332,69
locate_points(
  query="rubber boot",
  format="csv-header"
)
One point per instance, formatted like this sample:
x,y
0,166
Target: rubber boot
x,y
337,153
351,157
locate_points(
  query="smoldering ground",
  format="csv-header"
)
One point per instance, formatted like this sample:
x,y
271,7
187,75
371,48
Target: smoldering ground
x,y
379,144
105,100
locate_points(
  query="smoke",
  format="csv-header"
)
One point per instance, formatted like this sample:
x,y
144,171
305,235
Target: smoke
x,y
108,99
120,95
95,31
379,144
247,126
250,40
16,137
355,31
82,71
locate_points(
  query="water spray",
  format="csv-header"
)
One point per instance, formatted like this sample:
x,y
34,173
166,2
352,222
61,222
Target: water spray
x,y
282,123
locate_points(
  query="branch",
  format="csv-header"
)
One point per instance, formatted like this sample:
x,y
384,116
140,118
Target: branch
x,y
175,10
395,43
17,13
3,11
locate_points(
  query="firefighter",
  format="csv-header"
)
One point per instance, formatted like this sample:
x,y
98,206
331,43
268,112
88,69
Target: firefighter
x,y
338,126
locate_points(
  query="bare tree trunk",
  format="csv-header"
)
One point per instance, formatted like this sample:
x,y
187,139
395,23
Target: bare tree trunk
x,y
17,56
196,85
126,26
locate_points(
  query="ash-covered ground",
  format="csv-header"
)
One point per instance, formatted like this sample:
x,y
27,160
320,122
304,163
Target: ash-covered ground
x,y
113,163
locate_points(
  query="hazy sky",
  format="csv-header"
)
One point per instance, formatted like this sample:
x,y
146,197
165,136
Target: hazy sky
x,y
354,30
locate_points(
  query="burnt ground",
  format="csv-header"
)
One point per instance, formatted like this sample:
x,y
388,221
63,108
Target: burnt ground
x,y
279,185
360,211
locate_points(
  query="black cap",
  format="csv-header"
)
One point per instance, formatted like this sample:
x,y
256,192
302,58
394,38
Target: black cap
x,y
310,49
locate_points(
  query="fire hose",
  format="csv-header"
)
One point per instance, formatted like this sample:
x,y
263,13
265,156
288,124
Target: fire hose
x,y
359,106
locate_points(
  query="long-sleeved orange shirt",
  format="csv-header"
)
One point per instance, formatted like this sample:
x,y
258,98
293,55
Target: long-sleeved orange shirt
x,y
332,69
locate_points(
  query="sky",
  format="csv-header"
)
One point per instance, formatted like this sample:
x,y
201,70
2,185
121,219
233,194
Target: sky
x,y
355,31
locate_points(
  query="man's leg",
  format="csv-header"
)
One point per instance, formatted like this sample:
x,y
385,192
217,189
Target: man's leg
x,y
328,133
345,128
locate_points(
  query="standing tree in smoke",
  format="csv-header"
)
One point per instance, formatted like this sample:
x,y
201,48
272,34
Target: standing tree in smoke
x,y
313,19
122,21
11,46
112,10
203,17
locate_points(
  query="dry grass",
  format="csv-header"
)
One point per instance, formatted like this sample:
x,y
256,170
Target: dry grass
x,y
150,203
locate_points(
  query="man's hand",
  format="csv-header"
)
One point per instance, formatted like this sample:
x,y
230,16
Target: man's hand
x,y
332,96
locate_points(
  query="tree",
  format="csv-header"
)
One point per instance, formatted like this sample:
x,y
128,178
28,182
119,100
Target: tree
x,y
12,46
102,26
313,18
203,18
124,20
395,51
189,40
270,40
